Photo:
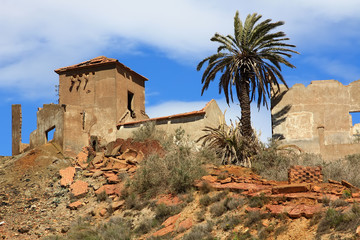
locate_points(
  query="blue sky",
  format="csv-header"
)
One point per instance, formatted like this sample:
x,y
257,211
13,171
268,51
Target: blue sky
x,y
164,41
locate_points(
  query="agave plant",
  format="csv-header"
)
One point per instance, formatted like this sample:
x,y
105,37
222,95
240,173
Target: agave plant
x,y
230,144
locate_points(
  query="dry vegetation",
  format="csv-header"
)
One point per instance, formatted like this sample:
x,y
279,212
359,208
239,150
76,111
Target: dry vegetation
x,y
217,215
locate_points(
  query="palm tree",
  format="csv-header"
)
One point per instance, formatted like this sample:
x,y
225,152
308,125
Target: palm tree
x,y
249,62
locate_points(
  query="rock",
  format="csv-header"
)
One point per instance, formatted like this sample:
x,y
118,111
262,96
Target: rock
x,y
116,205
185,225
171,220
295,212
356,195
358,231
139,157
81,159
226,180
120,165
348,185
65,229
209,178
168,200
275,209
252,209
132,169
98,159
103,212
164,231
309,210
113,179
316,189
110,189
115,151
291,188
129,155
67,176
24,229
79,188
75,205
334,182
97,173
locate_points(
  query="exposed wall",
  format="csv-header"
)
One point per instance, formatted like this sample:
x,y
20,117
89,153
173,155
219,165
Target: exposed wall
x,y
317,117
193,123
16,120
51,116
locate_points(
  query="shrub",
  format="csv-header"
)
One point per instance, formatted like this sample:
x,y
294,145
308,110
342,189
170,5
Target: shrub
x,y
219,196
217,209
205,200
229,222
202,231
146,131
102,196
145,226
116,228
175,172
200,215
258,201
252,218
232,203
205,187
162,211
338,203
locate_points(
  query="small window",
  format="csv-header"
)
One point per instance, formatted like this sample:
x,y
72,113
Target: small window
x,y
50,134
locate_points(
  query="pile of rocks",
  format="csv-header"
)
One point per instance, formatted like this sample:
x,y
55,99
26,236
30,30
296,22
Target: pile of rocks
x,y
101,173
297,200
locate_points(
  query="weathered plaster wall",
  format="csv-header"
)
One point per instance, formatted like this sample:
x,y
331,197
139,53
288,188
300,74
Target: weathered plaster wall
x,y
49,117
192,123
317,117
16,122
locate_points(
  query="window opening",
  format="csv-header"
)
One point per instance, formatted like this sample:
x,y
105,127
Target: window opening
x,y
50,134
130,104
355,118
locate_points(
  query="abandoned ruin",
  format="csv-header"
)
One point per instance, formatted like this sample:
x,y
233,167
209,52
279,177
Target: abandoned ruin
x,y
101,100
317,118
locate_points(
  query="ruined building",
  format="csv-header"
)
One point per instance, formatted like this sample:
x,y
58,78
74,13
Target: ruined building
x,y
101,100
317,118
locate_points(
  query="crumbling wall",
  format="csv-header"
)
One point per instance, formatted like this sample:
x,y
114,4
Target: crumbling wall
x,y
50,117
317,117
16,120
193,123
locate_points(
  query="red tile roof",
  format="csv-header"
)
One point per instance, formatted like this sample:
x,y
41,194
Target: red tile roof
x,y
101,60
180,115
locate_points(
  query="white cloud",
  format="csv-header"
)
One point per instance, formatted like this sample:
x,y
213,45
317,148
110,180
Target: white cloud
x,y
261,120
38,36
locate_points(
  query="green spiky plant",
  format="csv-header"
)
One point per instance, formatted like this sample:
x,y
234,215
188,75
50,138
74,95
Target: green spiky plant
x,y
250,61
230,144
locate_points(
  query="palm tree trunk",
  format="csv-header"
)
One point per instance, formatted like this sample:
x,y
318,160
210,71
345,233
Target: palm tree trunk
x,y
244,100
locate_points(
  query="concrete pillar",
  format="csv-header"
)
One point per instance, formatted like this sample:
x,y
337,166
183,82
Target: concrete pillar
x,y
16,128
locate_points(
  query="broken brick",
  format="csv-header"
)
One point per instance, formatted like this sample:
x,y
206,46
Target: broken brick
x,y
79,188
67,176
75,205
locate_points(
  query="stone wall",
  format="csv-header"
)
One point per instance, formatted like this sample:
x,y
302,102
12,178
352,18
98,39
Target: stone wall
x,y
192,122
317,117
50,117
